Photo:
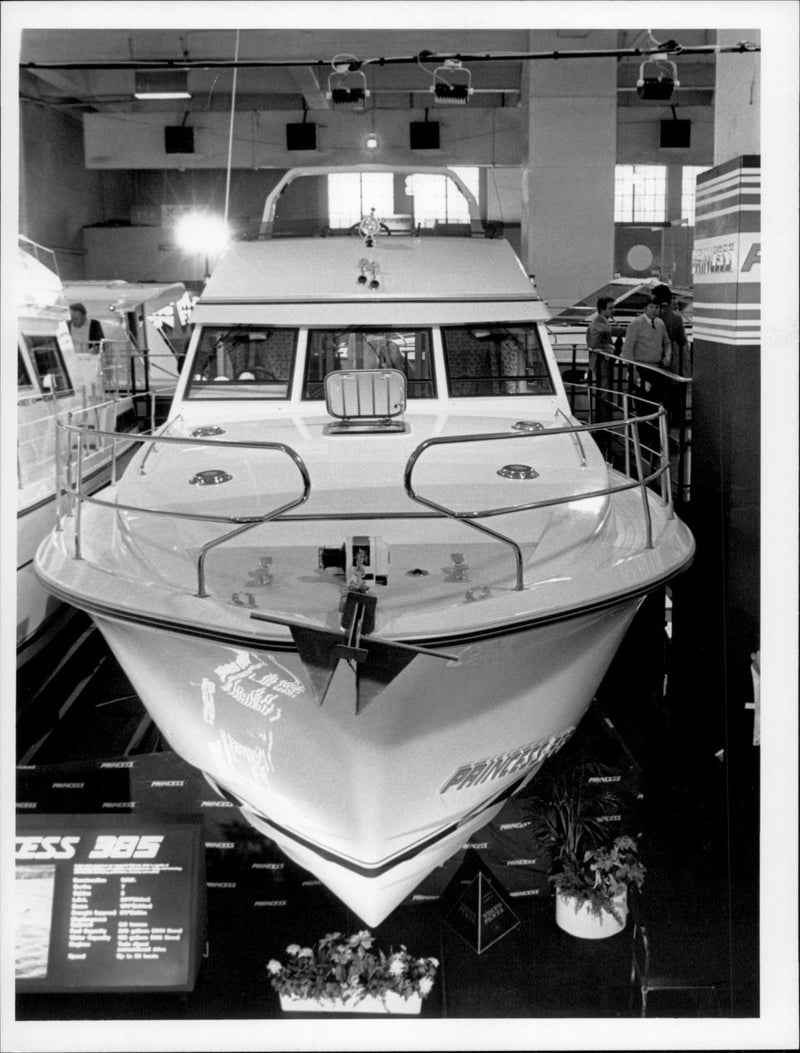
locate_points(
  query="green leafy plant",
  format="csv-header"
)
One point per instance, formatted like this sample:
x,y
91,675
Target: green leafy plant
x,y
348,968
566,804
601,876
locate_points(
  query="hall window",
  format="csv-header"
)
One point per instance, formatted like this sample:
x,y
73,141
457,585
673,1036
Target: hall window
x,y
689,189
437,199
640,194
351,195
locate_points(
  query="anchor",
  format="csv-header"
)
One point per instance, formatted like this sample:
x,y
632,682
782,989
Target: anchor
x,y
376,661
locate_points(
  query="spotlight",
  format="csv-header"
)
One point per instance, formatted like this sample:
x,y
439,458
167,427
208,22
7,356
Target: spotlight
x,y
347,87
371,141
660,85
452,84
162,84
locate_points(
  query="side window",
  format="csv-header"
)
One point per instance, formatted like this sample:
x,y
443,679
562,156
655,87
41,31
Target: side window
x,y
243,362
495,360
48,363
24,382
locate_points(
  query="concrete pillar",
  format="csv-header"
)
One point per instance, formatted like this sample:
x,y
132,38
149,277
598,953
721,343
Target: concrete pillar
x,y
570,116
721,622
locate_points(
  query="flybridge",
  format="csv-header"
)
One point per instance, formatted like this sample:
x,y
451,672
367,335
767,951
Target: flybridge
x,y
412,269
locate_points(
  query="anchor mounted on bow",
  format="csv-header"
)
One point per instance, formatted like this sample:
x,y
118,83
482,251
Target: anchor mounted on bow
x,y
376,661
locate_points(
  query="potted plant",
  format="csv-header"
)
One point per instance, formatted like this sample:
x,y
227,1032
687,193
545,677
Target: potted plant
x,y
569,804
345,974
592,893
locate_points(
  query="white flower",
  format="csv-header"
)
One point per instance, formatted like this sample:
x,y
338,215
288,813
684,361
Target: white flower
x,y
397,966
425,985
306,952
293,948
274,967
434,962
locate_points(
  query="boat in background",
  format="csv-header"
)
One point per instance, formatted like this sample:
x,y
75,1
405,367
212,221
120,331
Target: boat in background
x,y
370,574
144,331
52,379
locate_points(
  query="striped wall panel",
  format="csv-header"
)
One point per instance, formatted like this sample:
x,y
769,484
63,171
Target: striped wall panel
x,y
726,258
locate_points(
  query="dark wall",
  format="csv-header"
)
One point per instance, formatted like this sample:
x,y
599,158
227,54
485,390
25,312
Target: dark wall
x,y
58,195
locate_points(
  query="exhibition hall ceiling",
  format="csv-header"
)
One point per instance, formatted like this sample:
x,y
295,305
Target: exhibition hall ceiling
x,y
95,69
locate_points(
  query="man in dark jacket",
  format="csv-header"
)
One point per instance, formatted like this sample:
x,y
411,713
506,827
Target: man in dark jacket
x,y
86,333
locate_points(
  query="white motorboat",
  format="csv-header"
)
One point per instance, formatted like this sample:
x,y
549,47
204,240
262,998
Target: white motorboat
x,y
52,379
371,572
143,330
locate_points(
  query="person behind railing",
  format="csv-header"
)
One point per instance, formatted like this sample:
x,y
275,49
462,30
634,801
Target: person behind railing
x,y
601,336
647,342
673,321
87,333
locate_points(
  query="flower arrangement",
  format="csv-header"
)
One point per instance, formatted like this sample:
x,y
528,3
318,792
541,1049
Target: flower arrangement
x,y
348,968
600,877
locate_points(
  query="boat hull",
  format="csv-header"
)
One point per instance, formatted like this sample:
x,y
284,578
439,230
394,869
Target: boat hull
x,y
371,802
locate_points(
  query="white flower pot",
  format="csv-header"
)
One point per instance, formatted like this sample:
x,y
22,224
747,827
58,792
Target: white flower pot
x,y
584,923
390,1003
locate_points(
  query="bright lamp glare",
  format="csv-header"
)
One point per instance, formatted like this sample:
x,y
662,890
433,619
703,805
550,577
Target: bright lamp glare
x,y
199,232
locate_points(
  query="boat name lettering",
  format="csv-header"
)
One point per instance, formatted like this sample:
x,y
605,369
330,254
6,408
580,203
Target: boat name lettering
x,y
220,844
609,818
119,804
505,763
52,847
168,782
604,778
267,866
476,845
526,892
270,902
68,785
515,826
217,804
419,897
220,884
27,804
117,764
520,862
309,884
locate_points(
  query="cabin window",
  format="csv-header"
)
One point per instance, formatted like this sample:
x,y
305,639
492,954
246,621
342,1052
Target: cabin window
x,y
495,360
24,382
243,362
408,350
48,364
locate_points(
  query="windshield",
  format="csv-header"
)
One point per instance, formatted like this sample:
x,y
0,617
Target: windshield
x,y
495,360
407,350
242,361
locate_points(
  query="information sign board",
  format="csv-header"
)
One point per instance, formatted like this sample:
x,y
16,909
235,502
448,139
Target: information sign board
x,y
108,903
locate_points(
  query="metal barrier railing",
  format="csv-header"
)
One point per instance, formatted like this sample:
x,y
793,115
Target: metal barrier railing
x,y
612,373
627,425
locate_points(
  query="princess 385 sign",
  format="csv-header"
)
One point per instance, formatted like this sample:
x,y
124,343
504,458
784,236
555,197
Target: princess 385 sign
x,y
108,902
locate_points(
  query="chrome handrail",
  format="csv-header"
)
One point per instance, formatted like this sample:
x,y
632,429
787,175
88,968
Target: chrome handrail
x,y
629,425
244,523
468,517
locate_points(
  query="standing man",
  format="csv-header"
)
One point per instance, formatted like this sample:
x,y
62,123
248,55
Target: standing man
x,y
673,321
600,336
86,333
647,340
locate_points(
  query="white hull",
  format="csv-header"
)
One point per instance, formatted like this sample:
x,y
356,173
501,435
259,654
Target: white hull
x,y
370,803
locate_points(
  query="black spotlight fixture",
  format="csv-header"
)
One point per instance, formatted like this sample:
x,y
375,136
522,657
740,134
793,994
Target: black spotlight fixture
x,y
347,86
658,83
